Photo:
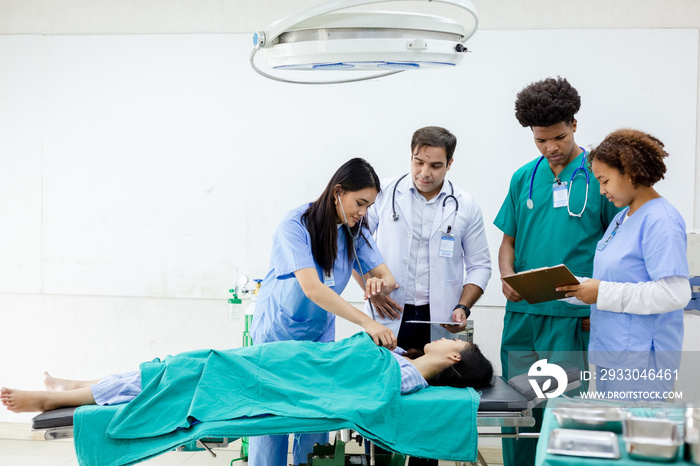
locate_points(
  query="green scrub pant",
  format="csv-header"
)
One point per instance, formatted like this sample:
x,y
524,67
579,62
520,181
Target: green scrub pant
x,y
526,339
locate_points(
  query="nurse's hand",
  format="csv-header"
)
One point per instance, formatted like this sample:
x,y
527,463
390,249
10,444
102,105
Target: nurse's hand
x,y
381,335
375,286
586,291
458,315
386,307
510,293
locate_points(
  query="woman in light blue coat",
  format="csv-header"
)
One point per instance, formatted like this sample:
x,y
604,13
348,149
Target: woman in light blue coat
x,y
315,248
640,274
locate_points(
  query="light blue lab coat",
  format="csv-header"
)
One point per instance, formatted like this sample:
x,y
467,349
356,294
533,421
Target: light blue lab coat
x,y
283,312
649,245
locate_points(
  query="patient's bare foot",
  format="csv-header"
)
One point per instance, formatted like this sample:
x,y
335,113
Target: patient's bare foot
x,y
54,384
21,401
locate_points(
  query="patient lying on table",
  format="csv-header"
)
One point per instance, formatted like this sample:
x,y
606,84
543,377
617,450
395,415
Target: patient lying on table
x,y
444,362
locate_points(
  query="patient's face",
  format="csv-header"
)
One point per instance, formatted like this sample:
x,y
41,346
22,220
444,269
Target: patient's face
x,y
445,345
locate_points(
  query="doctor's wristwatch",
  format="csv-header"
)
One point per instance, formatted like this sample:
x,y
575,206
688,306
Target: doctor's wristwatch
x,y
466,310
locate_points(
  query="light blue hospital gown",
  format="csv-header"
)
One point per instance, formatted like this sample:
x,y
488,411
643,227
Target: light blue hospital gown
x,y
411,379
117,388
647,246
282,311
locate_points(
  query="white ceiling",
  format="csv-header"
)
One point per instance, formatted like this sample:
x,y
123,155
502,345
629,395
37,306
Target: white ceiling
x,y
245,16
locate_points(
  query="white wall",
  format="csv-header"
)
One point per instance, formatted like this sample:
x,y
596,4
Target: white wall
x,y
82,336
160,163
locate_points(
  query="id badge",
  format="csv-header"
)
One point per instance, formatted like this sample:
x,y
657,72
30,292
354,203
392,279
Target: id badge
x,y
447,245
328,279
602,244
560,194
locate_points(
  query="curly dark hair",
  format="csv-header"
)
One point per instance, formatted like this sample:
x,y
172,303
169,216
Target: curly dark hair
x,y
547,102
634,153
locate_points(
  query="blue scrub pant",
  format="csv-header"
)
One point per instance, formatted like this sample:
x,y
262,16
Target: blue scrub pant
x,y
271,450
526,339
644,375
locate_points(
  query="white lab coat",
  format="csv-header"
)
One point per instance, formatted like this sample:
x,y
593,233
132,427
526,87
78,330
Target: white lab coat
x,y
470,262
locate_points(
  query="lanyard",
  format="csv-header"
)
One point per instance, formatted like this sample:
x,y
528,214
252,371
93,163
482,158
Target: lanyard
x,y
605,243
530,203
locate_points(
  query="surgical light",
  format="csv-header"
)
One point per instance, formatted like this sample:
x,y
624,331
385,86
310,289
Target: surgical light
x,y
381,43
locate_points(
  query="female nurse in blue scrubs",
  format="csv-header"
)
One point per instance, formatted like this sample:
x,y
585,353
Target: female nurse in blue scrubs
x,y
314,250
640,273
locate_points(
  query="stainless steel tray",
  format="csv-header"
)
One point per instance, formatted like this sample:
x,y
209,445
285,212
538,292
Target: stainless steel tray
x,y
652,439
591,417
577,442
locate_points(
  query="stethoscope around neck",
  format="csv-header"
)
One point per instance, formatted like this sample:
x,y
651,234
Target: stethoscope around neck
x,y
395,215
531,204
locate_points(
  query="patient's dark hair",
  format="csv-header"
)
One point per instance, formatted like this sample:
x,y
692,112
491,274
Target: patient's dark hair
x,y
472,370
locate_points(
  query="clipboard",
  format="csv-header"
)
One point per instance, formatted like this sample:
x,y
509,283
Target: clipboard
x,y
539,285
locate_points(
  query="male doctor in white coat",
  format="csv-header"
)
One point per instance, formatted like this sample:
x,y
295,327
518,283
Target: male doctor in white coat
x,y
431,235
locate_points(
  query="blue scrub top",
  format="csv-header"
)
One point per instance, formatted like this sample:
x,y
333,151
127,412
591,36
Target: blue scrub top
x,y
649,245
282,311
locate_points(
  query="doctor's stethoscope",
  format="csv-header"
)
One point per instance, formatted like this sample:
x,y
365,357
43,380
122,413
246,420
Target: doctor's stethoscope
x,y
530,204
395,215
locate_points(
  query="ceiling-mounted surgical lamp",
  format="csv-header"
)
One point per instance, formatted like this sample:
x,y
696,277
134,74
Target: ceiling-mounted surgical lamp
x,y
384,43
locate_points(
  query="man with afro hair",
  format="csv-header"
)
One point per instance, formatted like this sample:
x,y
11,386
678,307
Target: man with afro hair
x,y
553,214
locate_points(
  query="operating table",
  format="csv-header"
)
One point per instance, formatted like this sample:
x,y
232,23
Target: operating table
x,y
503,404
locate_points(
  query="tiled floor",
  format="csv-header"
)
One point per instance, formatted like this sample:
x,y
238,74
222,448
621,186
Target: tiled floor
x,y
21,447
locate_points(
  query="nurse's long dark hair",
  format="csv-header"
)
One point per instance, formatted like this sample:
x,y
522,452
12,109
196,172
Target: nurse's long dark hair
x,y
320,218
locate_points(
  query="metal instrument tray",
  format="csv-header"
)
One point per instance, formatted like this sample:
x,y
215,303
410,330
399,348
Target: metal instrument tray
x,y
576,442
591,417
652,439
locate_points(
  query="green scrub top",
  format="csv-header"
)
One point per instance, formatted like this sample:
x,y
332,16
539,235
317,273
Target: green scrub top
x,y
547,236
